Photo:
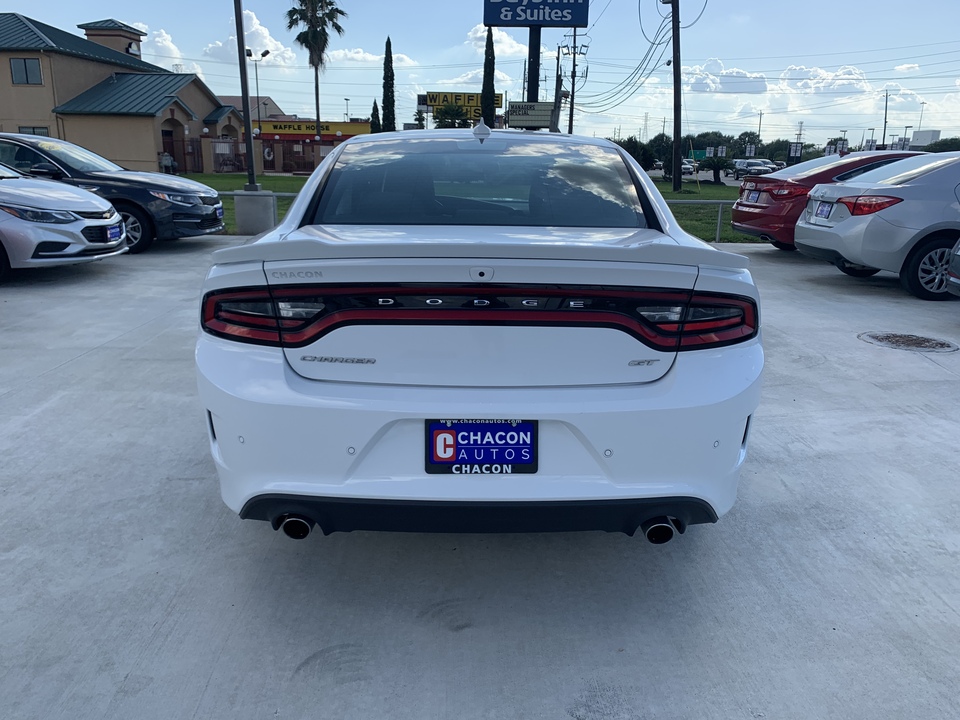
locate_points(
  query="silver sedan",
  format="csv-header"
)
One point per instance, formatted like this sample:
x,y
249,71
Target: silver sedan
x,y
903,217
48,223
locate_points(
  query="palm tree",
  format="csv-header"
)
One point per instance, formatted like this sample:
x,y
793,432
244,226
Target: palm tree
x,y
450,116
317,17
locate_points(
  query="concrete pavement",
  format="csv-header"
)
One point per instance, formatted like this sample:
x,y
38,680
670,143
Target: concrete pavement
x,y
130,591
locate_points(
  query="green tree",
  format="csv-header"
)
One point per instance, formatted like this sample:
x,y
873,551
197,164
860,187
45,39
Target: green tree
x,y
777,150
488,108
317,18
637,150
389,103
944,145
420,118
716,164
450,116
738,146
661,145
375,126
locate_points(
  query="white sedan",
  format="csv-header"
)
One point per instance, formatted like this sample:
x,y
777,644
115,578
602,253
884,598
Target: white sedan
x,y
467,331
45,223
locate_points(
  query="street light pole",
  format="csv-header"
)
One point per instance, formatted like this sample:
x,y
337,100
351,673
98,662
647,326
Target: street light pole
x,y
256,75
920,124
346,115
906,142
245,95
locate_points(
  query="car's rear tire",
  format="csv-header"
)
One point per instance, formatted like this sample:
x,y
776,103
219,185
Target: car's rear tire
x,y
140,231
860,271
786,247
4,264
924,273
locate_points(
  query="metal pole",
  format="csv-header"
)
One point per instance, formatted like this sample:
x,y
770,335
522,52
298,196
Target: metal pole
x,y
256,75
573,81
533,64
920,124
760,125
886,103
245,93
675,27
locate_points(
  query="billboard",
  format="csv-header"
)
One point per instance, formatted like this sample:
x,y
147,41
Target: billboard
x,y
464,100
530,115
528,13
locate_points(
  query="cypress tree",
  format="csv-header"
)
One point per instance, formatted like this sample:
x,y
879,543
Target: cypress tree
x,y
389,107
487,99
375,119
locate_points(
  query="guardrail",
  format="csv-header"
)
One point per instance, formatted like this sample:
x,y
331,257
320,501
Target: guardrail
x,y
721,204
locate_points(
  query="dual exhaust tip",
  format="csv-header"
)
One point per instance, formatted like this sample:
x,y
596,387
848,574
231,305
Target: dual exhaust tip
x,y
658,531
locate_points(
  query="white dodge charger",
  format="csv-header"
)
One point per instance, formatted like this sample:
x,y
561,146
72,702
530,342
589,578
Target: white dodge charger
x,y
476,331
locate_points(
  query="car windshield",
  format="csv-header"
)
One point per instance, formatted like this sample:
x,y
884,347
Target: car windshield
x,y
908,169
76,157
453,181
8,173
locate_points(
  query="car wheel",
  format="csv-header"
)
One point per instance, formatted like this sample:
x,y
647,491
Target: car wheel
x,y
924,274
856,270
140,232
786,247
4,265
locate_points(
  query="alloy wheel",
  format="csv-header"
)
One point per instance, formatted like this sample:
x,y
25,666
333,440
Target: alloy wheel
x,y
932,271
133,227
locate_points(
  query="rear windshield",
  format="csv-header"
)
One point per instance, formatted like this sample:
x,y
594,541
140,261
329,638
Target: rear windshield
x,y
907,170
448,181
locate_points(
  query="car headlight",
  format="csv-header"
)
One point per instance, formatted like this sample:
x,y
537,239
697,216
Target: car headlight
x,y
177,198
58,217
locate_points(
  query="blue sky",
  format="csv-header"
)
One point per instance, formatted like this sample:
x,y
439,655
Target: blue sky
x,y
827,64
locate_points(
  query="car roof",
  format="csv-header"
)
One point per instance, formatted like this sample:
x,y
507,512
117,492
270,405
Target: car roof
x,y
514,137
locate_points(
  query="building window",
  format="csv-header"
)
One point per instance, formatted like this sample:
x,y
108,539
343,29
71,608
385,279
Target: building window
x,y
26,71
27,130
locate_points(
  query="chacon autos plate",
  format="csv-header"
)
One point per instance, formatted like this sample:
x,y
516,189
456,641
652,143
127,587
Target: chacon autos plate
x,y
823,209
481,447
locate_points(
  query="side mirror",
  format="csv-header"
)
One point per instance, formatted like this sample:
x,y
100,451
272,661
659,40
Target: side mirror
x,y
46,170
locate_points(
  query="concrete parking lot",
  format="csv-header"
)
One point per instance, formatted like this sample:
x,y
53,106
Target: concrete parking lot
x,y
130,591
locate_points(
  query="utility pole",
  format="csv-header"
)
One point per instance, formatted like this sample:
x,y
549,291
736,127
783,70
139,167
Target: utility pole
x,y
675,28
920,124
886,103
760,125
533,63
252,184
573,82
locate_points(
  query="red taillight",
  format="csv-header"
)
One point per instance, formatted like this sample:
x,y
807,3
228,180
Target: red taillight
x,y
784,192
667,320
868,204
248,315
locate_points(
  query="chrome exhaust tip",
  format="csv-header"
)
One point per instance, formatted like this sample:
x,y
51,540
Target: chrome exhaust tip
x,y
296,527
658,530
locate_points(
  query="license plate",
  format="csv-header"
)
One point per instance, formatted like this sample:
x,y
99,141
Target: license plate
x,y
113,232
753,196
220,213
481,447
823,209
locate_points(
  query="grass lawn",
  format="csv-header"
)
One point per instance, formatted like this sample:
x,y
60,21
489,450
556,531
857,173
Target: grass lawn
x,y
234,182
699,220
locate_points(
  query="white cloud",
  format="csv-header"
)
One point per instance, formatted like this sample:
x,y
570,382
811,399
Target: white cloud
x,y
358,55
257,38
475,77
158,48
712,77
907,68
504,46
813,80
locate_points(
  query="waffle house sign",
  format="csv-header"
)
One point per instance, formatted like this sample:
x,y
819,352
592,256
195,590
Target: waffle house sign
x,y
470,102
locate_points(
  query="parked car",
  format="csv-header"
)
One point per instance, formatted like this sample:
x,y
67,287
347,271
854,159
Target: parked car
x,y
687,168
44,223
904,217
658,164
153,205
769,163
731,167
533,345
780,164
750,167
770,205
953,270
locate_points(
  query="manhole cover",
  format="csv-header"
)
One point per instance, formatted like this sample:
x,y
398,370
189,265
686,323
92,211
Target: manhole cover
x,y
917,343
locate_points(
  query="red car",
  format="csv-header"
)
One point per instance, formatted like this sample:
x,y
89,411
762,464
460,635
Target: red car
x,y
770,205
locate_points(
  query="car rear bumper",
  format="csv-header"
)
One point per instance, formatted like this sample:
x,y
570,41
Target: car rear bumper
x,y
332,514
274,433
869,241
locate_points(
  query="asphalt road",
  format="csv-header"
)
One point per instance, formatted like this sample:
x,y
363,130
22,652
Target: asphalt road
x,y
131,592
